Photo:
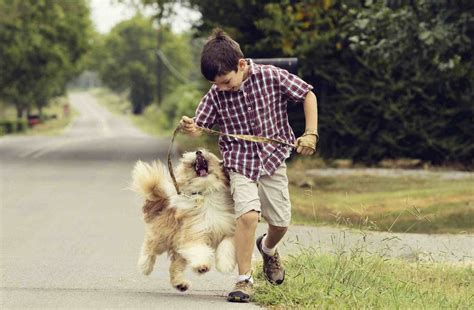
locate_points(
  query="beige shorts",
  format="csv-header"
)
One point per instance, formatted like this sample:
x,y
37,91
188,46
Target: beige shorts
x,y
269,196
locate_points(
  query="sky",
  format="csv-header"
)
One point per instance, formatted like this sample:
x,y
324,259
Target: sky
x,y
107,13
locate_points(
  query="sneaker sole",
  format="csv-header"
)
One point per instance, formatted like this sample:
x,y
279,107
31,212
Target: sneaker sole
x,y
238,299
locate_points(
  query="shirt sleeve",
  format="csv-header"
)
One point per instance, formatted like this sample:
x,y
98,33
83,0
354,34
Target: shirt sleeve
x,y
206,112
293,87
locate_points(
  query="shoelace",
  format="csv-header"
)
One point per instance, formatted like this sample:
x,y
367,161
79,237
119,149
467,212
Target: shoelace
x,y
243,284
274,262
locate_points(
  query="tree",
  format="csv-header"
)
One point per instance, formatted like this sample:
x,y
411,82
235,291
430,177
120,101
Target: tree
x,y
130,61
41,44
130,54
393,78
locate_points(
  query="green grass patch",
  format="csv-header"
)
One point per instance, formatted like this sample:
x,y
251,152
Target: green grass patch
x,y
149,122
54,126
398,204
115,103
54,119
358,281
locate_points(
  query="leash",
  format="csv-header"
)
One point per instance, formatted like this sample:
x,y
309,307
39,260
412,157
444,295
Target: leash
x,y
218,133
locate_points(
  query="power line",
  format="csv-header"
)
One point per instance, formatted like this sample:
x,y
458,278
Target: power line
x,y
171,68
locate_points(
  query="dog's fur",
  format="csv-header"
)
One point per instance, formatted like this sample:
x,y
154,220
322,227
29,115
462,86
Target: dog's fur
x,y
193,228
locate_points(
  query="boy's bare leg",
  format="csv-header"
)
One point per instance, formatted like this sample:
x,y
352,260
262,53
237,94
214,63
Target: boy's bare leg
x,y
244,237
244,240
274,235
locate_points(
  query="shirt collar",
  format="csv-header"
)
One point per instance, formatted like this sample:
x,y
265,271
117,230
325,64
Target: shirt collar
x,y
251,65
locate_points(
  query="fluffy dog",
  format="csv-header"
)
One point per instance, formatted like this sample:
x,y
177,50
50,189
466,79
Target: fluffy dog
x,y
194,228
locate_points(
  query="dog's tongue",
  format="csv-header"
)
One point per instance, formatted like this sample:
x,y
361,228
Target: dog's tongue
x,y
202,172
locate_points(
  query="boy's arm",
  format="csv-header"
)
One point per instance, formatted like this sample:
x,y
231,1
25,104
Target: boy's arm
x,y
297,90
306,144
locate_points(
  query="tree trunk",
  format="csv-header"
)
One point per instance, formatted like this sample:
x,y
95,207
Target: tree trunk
x,y
19,111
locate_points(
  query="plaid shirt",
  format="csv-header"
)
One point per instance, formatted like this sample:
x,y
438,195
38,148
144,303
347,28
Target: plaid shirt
x,y
259,108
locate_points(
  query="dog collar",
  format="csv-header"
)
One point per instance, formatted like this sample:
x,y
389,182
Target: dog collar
x,y
197,197
192,194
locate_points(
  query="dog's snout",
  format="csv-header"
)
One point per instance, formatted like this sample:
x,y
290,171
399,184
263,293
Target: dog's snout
x,y
198,153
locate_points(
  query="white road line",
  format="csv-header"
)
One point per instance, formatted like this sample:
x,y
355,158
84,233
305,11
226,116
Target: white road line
x,y
52,146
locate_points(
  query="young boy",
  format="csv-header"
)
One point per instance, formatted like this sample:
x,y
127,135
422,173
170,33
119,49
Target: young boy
x,y
247,98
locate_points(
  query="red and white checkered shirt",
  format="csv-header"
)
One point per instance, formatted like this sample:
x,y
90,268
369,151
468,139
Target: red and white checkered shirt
x,y
259,108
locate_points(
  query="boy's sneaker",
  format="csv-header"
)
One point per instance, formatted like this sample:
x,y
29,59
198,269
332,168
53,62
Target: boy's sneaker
x,y
241,292
272,268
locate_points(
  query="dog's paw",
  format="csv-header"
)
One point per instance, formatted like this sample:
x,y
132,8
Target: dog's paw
x,y
182,286
201,269
146,264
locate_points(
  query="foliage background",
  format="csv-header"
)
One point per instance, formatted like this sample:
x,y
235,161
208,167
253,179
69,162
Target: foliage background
x,y
393,77
41,48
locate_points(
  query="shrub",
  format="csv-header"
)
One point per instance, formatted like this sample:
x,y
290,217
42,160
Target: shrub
x,y
182,101
21,125
11,126
393,78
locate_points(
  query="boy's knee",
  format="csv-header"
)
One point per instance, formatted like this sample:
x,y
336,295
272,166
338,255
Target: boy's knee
x,y
249,219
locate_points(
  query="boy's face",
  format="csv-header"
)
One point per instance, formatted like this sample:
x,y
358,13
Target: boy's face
x,y
232,80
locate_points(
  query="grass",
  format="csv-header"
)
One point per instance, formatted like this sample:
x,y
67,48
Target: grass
x,y
50,127
54,127
117,104
402,204
120,105
356,280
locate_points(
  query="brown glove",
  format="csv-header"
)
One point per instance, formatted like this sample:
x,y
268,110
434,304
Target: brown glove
x,y
306,144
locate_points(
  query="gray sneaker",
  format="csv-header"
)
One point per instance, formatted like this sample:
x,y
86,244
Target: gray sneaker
x,y
241,292
272,267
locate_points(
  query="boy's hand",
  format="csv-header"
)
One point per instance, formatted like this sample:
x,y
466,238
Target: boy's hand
x,y
306,144
188,126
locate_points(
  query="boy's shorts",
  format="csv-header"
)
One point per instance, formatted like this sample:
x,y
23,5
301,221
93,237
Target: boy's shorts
x,y
269,196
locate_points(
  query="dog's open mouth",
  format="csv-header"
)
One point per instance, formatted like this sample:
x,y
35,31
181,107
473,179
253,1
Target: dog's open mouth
x,y
200,165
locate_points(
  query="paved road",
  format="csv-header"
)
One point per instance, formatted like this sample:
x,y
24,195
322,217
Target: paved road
x,y
71,231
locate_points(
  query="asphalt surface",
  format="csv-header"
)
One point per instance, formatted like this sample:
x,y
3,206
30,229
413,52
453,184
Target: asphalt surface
x,y
71,231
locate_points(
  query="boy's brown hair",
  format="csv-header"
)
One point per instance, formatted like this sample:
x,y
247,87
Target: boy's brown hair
x,y
220,55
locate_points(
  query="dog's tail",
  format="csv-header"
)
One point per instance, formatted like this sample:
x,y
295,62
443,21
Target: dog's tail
x,y
151,181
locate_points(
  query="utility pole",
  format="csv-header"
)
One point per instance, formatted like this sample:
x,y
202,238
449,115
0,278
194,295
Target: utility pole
x,y
162,12
159,64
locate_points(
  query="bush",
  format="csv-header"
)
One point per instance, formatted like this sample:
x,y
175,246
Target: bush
x,y
21,125
393,78
11,126
402,86
7,126
182,101
155,117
